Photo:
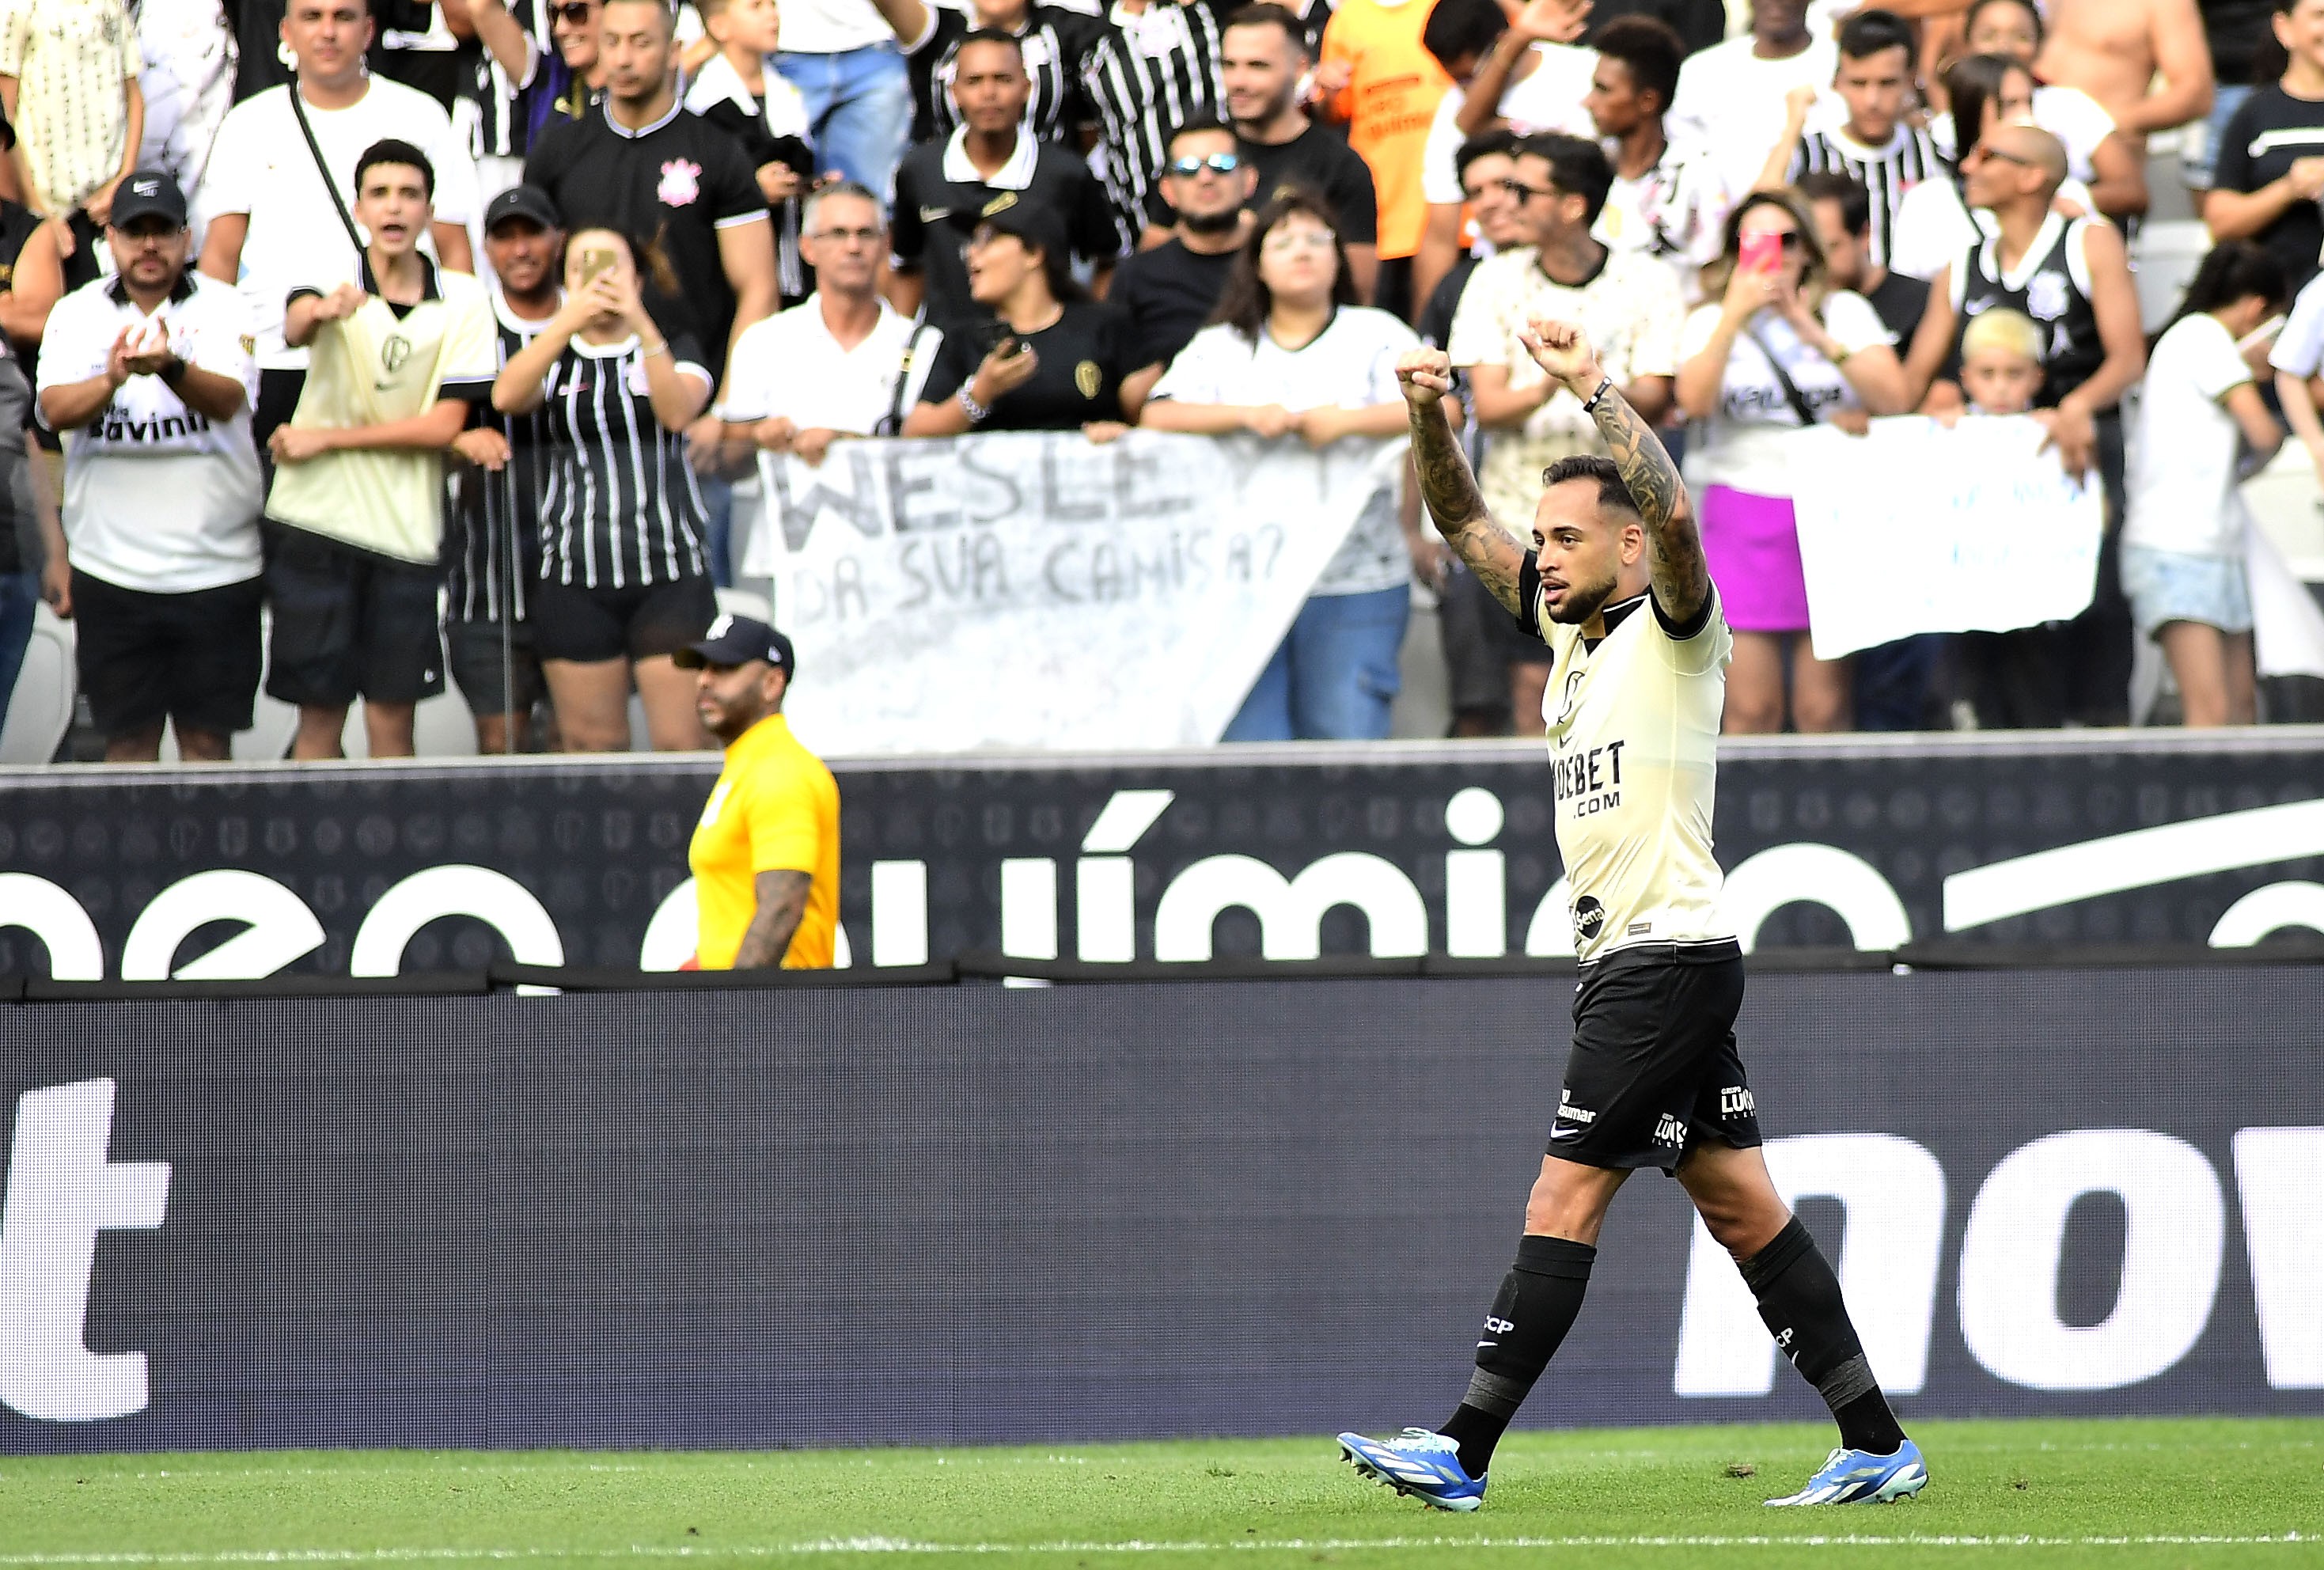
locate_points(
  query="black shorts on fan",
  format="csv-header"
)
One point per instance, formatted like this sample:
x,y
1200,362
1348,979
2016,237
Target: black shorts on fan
x,y
349,623
635,623
475,652
1654,1071
143,658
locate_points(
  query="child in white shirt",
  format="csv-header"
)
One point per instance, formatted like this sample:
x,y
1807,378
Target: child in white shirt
x,y
2182,544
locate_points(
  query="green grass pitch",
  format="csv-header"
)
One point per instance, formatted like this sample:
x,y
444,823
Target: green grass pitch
x,y
2114,1492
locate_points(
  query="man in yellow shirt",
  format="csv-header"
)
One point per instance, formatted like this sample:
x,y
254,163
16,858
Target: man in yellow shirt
x,y
766,854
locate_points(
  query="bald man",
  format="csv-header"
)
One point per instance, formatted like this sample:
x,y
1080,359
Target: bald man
x,y
2072,277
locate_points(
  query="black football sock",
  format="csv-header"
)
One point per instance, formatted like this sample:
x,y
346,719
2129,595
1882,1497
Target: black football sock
x,y
1534,1308
1799,1299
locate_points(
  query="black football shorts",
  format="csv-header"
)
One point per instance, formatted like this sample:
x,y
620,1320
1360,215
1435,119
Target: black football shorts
x,y
1654,1069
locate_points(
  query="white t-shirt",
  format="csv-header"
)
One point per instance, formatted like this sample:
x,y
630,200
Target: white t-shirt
x,y
1675,212
831,27
2299,347
1731,101
156,497
789,364
2183,496
1934,230
260,166
1743,446
2077,120
1550,99
1350,364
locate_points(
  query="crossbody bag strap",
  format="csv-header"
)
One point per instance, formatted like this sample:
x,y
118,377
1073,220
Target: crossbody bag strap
x,y
339,202
1792,393
892,423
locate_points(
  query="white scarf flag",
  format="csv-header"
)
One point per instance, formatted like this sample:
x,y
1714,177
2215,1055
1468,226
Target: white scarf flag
x,y
1917,529
1036,590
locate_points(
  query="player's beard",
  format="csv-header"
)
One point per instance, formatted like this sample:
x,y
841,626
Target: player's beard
x,y
1582,601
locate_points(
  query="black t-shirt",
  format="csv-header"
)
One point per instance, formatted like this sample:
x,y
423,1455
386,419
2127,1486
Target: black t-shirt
x,y
1900,302
1056,44
762,147
1699,24
1435,323
682,180
17,224
2263,140
1318,159
934,216
258,36
1167,294
1083,356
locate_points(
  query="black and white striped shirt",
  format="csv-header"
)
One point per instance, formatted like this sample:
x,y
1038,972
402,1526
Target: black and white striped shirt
x,y
1887,173
499,514
1057,44
496,112
1152,72
621,508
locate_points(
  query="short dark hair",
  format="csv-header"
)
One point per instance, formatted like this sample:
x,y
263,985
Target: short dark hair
x,y
1870,33
394,149
1459,27
1576,164
1483,145
1650,50
1201,125
1245,302
1613,493
1267,14
1832,186
991,35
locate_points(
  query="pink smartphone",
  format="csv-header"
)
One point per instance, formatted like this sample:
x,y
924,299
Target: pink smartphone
x,y
1761,252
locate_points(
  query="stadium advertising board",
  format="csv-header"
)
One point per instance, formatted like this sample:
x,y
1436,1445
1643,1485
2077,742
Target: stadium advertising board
x,y
979,1212
377,870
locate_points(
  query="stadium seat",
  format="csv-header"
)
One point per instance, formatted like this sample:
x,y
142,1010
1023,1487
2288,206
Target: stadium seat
x,y
40,710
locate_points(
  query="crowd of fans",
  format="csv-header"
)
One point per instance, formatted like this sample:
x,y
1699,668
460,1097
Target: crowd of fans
x,y
242,241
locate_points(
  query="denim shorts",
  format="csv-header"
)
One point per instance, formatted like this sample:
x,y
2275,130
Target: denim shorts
x,y
2167,586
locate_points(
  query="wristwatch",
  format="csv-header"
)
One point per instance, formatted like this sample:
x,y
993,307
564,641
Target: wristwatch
x,y
173,371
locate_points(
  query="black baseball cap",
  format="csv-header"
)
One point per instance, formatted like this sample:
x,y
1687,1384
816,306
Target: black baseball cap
x,y
522,202
738,640
1035,225
150,193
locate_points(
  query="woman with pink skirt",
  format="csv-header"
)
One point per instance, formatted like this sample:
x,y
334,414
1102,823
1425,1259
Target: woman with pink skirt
x,y
1780,350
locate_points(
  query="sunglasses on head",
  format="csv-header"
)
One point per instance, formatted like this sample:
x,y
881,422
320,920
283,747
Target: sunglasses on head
x,y
1217,163
576,12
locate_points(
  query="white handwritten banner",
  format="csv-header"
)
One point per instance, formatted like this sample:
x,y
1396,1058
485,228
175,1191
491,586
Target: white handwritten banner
x,y
1037,590
1917,529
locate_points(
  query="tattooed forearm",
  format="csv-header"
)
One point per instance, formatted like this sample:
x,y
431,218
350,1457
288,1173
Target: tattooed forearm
x,y
1681,578
1458,507
782,900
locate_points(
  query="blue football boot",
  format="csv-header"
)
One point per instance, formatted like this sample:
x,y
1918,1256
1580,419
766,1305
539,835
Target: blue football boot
x,y
1860,1477
1424,1465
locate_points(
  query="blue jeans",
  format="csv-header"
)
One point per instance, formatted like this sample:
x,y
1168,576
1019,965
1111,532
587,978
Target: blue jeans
x,y
1333,677
19,596
718,540
859,110
2225,101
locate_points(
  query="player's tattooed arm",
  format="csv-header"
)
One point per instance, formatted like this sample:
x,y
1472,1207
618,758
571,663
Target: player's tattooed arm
x,y
1681,578
782,900
1447,487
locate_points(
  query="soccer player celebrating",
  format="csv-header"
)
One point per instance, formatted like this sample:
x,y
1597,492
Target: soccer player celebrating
x,y
1616,585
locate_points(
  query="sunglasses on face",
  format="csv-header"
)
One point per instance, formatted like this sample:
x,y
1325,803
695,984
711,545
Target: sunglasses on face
x,y
1217,163
1789,239
1522,191
576,13
1982,151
